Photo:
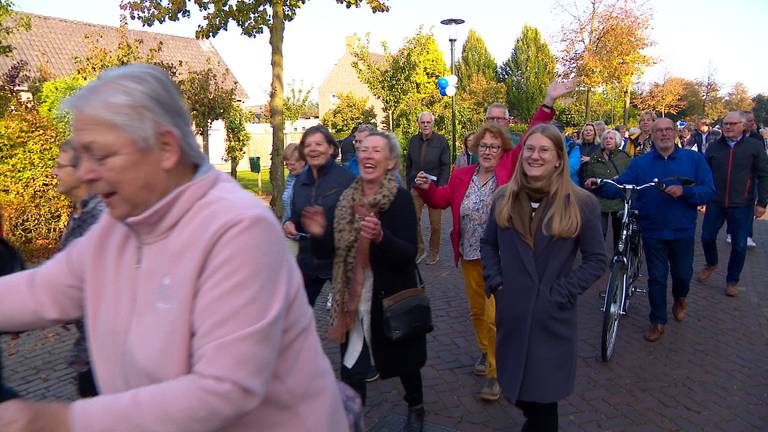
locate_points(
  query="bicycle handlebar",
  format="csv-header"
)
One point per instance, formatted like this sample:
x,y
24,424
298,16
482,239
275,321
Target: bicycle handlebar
x,y
655,183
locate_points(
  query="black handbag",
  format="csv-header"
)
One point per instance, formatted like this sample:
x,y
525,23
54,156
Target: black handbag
x,y
407,314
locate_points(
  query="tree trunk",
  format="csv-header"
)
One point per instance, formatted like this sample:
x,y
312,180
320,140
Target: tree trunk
x,y
276,33
626,105
205,131
233,168
586,105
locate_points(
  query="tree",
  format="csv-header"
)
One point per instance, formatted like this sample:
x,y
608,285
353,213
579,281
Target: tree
x,y
17,24
479,92
710,89
13,78
692,100
603,44
475,60
297,102
527,73
760,109
208,99
403,81
236,120
664,96
349,112
253,17
738,98
100,57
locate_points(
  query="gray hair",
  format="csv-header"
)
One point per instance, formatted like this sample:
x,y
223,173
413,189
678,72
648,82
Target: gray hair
x,y
393,145
67,146
366,127
599,123
139,99
497,105
616,137
741,114
423,113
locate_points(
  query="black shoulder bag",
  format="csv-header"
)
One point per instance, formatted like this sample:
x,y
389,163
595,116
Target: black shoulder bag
x,y
407,314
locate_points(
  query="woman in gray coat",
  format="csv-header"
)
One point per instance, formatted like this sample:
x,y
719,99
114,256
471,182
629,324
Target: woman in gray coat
x,y
538,224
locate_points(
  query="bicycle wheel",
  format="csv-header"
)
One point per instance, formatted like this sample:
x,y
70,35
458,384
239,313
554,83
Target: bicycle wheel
x,y
612,309
635,262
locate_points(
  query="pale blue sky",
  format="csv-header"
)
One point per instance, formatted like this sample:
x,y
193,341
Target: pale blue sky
x,y
690,35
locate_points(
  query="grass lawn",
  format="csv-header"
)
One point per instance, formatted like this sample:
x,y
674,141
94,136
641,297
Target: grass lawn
x,y
250,181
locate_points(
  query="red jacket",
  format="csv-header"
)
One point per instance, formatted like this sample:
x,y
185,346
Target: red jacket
x,y
452,194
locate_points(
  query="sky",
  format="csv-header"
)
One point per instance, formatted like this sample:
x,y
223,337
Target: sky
x,y
691,36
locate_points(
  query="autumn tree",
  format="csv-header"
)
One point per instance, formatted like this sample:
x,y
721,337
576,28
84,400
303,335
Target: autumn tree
x,y
253,18
664,96
472,103
297,102
692,101
527,73
737,98
236,119
603,44
475,61
404,80
208,99
349,112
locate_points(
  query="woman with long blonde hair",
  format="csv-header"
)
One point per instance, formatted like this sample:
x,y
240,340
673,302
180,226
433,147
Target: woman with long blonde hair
x,y
538,224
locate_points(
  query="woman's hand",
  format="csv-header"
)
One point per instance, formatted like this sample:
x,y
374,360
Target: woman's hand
x,y
26,416
313,220
370,228
290,229
585,159
421,181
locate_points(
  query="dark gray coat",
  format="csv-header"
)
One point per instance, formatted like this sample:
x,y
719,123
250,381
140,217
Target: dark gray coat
x,y
536,292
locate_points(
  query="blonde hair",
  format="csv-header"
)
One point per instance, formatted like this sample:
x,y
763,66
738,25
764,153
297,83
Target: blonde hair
x,y
563,219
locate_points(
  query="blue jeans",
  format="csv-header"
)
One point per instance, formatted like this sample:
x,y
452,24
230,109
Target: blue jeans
x,y
739,222
663,257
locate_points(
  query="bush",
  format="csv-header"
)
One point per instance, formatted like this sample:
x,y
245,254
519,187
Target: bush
x,y
34,214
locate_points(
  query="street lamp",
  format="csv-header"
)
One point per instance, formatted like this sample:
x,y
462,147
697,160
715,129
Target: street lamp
x,y
452,39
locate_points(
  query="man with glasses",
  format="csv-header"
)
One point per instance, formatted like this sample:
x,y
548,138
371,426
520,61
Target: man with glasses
x,y
737,161
427,151
667,218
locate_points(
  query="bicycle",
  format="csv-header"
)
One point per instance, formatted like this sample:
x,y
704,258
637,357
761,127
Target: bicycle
x,y
625,268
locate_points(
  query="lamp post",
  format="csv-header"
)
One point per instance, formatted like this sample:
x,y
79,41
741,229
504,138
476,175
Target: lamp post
x,y
452,39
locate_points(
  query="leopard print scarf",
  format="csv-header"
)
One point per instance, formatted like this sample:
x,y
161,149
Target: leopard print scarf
x,y
352,251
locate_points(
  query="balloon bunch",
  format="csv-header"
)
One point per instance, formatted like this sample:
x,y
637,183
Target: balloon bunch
x,y
447,85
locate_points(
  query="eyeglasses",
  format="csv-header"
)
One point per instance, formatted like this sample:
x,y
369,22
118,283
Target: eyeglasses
x,y
668,130
496,119
489,148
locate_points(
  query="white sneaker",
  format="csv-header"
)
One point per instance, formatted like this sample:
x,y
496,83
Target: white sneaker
x,y
728,238
329,303
750,242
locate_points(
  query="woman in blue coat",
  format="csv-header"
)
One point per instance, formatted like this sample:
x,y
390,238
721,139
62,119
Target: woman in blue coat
x,y
539,222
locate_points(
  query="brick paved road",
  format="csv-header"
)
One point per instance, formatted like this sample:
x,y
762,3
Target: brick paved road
x,y
707,373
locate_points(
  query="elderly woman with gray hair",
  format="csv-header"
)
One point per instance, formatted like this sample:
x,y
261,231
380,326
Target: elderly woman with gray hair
x,y
188,329
608,163
373,245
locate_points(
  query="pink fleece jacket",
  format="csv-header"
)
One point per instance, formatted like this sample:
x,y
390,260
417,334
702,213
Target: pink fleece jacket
x,y
196,317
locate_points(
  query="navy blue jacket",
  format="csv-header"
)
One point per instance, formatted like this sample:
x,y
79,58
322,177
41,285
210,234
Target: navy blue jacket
x,y
333,179
659,214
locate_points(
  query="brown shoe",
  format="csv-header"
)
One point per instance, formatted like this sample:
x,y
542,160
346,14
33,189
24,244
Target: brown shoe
x,y
679,308
705,273
654,332
731,290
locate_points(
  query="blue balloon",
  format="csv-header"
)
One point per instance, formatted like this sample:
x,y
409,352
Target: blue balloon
x,y
442,83
442,91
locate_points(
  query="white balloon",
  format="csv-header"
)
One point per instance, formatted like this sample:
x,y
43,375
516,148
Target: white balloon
x,y
452,79
450,91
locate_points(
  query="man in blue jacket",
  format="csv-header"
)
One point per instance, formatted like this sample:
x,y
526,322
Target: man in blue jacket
x,y
667,217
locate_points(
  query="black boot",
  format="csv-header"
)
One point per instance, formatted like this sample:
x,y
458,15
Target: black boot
x,y
415,420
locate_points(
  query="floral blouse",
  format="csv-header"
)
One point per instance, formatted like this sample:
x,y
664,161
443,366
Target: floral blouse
x,y
474,212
